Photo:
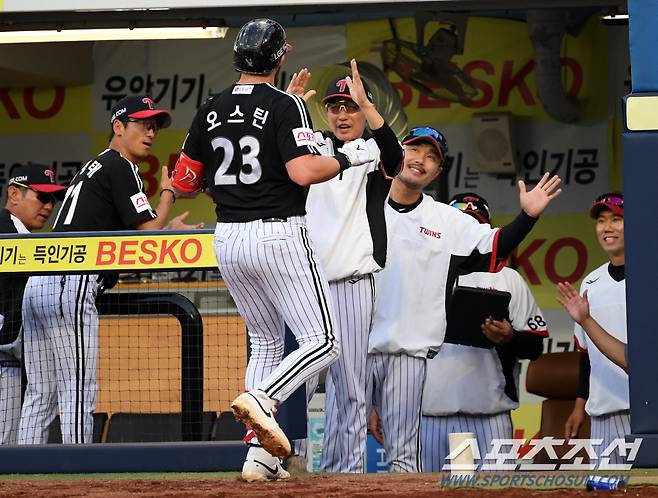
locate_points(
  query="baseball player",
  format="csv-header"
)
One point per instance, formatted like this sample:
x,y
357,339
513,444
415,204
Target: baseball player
x,y
603,388
429,245
578,308
31,197
346,224
60,319
254,148
474,389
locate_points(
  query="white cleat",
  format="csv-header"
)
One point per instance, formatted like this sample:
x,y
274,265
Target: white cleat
x,y
261,466
254,408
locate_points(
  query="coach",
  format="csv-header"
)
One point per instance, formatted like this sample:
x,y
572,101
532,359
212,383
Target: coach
x,y
31,197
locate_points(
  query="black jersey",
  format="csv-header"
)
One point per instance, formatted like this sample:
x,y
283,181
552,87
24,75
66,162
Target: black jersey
x,y
106,194
244,136
11,291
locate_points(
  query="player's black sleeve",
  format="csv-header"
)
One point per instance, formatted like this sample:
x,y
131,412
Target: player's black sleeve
x,y
295,136
391,153
127,194
527,346
513,233
584,369
192,145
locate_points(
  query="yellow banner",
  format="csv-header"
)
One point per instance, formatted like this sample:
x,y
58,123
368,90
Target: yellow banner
x,y
497,63
46,110
559,248
70,254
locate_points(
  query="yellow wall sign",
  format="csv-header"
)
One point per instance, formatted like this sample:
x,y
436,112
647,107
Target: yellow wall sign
x,y
143,252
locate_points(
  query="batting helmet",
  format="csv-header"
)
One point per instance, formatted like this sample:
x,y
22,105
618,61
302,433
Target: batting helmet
x,y
259,46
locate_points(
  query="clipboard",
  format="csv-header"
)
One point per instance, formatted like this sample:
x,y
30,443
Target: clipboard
x,y
469,307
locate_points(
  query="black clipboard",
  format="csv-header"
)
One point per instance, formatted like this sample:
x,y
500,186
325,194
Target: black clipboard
x,y
469,307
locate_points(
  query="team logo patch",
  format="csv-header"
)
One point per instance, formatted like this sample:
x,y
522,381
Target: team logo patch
x,y
430,233
242,89
304,136
140,202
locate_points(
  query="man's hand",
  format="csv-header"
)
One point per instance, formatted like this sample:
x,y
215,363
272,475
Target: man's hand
x,y
576,305
375,426
535,202
177,223
298,84
357,90
575,420
498,332
357,152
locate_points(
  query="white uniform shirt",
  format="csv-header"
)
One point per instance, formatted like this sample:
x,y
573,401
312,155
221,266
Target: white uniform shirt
x,y
13,348
425,247
608,383
337,218
465,379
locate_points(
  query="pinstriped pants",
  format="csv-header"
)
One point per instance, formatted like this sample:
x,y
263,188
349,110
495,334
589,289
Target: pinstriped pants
x,y
60,330
609,427
272,273
345,432
435,431
10,397
396,383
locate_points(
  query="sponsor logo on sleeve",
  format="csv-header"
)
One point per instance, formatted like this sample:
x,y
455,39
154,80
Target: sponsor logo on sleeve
x,y
304,136
243,89
140,202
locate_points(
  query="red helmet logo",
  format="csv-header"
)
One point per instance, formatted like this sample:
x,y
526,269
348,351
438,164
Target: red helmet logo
x,y
342,84
148,102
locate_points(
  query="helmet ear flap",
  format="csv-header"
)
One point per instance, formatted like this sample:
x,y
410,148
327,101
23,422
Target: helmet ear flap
x,y
259,46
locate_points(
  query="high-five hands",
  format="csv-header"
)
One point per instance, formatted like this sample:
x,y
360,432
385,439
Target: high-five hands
x,y
298,84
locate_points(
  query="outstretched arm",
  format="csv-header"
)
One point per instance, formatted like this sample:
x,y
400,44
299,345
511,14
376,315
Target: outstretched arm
x,y
578,308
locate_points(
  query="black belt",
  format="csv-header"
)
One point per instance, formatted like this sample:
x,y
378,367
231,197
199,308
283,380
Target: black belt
x,y
273,220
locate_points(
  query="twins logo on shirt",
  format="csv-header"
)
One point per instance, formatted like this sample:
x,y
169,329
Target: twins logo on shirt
x,y
430,233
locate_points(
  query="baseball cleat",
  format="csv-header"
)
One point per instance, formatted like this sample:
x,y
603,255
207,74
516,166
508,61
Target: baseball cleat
x,y
254,408
261,466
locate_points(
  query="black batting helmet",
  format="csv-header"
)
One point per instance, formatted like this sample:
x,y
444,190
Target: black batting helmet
x,y
259,46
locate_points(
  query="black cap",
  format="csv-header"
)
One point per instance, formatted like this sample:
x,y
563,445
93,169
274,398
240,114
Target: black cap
x,y
338,89
35,176
472,204
140,107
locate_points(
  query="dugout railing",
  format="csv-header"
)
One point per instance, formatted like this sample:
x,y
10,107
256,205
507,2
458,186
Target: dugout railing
x,y
143,252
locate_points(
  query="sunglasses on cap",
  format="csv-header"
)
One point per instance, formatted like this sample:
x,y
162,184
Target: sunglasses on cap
x,y
43,197
426,131
342,105
612,199
471,206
